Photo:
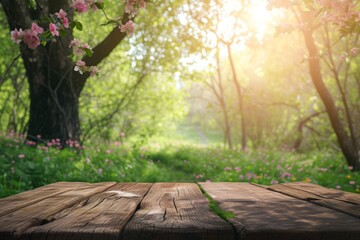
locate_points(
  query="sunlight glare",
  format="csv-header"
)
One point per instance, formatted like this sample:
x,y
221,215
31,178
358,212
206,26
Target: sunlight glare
x,y
259,17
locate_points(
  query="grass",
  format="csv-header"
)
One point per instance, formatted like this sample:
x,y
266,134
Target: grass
x,y
24,167
214,206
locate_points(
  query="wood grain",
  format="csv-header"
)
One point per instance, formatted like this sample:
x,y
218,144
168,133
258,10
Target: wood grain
x,y
335,200
13,224
101,216
264,214
24,199
324,192
176,211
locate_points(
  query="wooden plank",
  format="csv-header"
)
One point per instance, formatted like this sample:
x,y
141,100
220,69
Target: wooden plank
x,y
101,216
24,199
324,192
176,211
336,203
264,214
13,224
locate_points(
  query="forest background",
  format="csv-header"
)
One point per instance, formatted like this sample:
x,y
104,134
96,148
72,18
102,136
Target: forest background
x,y
202,91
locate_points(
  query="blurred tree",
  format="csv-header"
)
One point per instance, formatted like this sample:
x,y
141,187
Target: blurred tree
x,y
318,18
210,16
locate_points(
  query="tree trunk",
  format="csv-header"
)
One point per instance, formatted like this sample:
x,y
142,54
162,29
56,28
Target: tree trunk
x,y
240,99
222,101
53,113
349,150
54,87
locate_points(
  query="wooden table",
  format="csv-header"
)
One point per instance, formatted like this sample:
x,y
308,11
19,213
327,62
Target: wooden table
x,y
97,211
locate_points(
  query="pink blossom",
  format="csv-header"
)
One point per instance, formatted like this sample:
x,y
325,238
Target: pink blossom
x,y
80,67
36,28
53,29
80,6
338,187
274,182
93,71
31,143
128,27
129,7
65,22
61,14
351,168
199,176
31,39
352,182
21,155
142,4
354,51
86,46
78,47
17,35
75,42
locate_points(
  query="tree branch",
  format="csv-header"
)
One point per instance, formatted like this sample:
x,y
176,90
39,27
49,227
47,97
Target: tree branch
x,y
103,50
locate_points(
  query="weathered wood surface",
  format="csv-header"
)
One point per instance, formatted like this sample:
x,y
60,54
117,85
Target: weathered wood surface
x,y
263,214
326,192
15,202
13,224
348,203
101,216
176,211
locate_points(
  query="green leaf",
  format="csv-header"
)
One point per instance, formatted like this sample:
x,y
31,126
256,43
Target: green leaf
x,y
88,52
72,25
31,4
47,34
79,26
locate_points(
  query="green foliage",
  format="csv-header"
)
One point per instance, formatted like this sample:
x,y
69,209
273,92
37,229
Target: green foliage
x,y
25,167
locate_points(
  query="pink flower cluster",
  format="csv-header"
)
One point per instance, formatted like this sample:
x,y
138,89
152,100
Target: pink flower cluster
x,y
339,12
132,6
29,36
128,27
81,67
62,16
82,6
78,47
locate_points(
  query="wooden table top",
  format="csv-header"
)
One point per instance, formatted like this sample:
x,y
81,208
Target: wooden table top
x,y
291,211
